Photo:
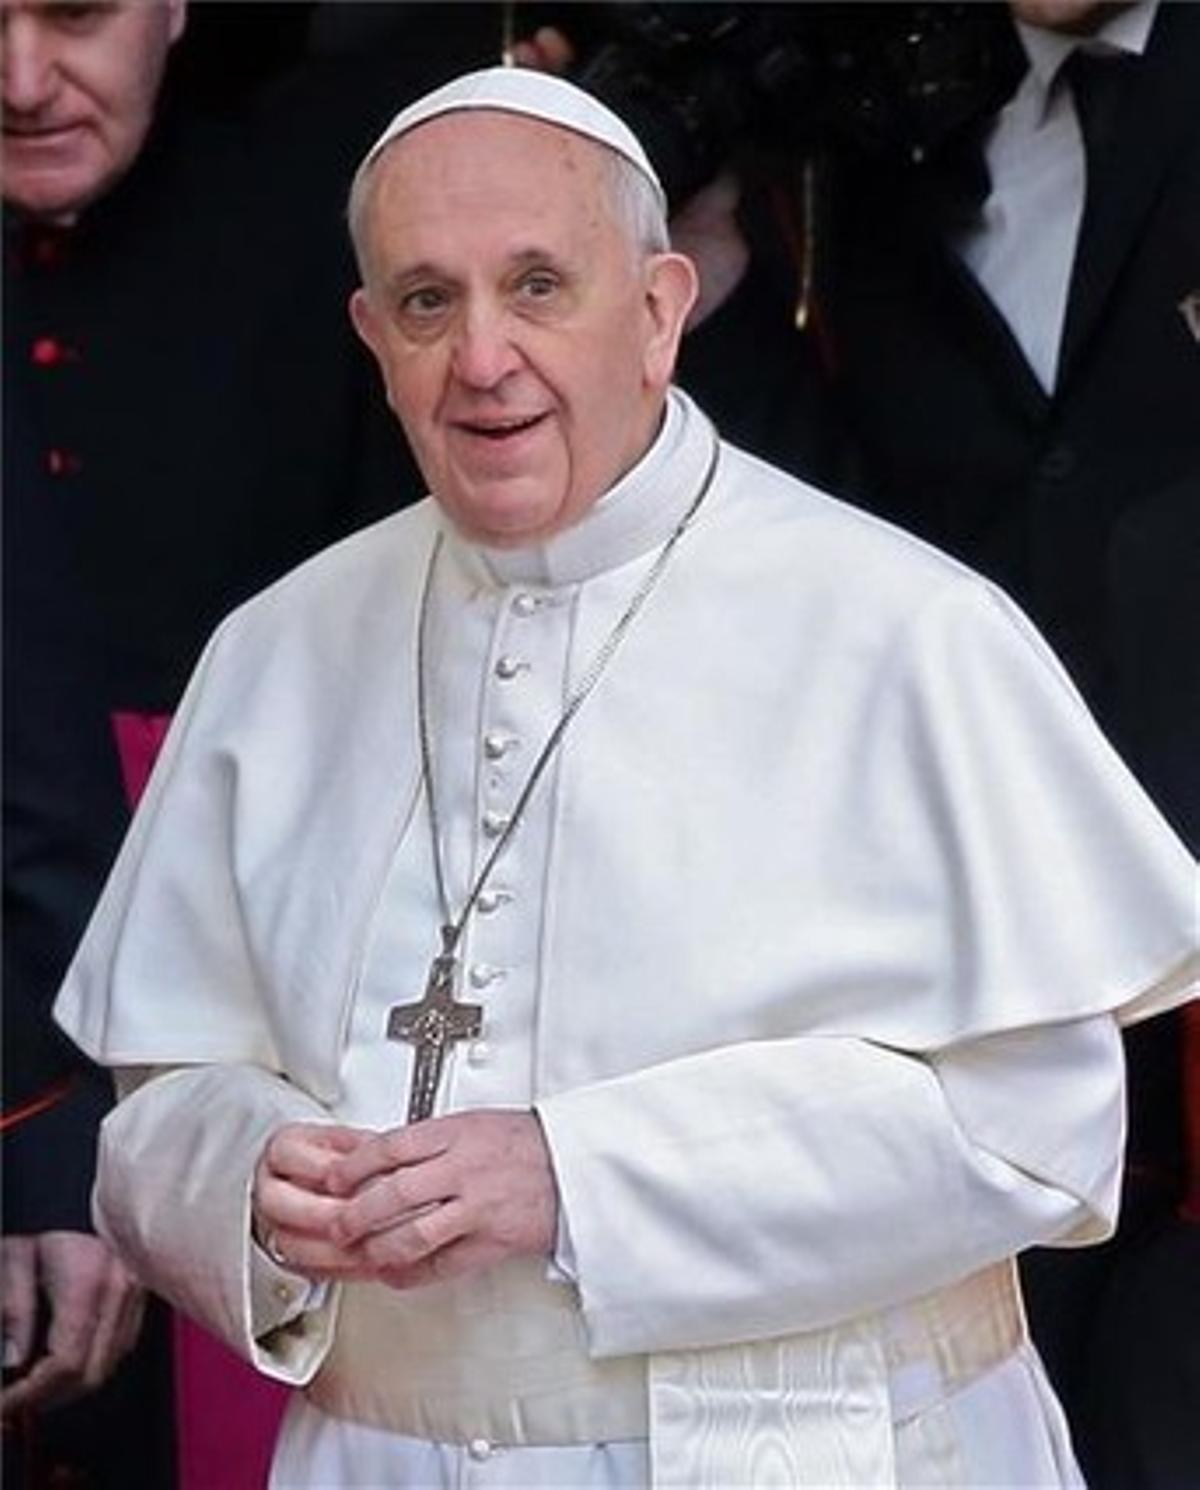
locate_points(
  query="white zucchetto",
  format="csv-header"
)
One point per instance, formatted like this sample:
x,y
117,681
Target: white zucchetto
x,y
537,95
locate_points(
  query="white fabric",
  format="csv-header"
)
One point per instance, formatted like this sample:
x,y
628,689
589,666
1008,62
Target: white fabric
x,y
810,935
536,95
1023,248
966,1443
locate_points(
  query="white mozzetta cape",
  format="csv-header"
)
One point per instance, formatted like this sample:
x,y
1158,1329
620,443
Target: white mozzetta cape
x,y
807,951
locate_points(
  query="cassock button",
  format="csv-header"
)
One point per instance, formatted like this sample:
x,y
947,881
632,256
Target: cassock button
x,y
496,743
48,351
494,823
491,900
524,604
479,1052
508,667
479,1448
284,1292
63,463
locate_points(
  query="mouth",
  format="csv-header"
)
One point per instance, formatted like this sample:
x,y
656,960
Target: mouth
x,y
44,134
499,431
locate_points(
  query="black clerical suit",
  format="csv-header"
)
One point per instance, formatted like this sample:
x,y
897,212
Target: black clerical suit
x,y
1085,505
955,436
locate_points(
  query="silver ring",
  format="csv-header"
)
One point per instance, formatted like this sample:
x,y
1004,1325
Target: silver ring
x,y
270,1245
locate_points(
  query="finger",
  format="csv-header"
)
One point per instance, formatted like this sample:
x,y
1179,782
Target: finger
x,y
385,1152
19,1303
392,1199
76,1309
318,1259
469,1253
76,1270
42,1386
419,1236
132,1317
303,1152
70,1279
104,1344
279,1205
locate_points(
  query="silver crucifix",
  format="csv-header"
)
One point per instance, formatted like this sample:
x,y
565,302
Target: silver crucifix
x,y
432,1025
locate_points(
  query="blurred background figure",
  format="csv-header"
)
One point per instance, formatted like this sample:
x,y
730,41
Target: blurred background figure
x,y
1019,372
80,89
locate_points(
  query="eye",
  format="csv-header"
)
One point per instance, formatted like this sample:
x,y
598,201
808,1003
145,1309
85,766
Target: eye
x,y
424,303
538,285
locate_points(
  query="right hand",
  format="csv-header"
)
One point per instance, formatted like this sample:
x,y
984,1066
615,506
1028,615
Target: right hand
x,y
292,1207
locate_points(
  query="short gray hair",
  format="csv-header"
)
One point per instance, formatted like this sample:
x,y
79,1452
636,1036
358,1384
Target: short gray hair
x,y
635,203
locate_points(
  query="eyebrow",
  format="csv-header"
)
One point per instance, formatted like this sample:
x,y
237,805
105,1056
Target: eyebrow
x,y
427,269
405,279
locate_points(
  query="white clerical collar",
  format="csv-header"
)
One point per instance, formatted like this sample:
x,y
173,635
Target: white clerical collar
x,y
631,518
1126,32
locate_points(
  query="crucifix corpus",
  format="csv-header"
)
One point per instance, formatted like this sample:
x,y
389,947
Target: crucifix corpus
x,y
431,1026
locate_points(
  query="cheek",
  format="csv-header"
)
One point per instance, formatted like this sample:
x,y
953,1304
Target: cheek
x,y
413,384
123,113
121,78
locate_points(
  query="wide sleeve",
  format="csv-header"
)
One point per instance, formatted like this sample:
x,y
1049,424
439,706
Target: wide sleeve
x,y
175,1172
969,1105
172,902
167,988
779,1186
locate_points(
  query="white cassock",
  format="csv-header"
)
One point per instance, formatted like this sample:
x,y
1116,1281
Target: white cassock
x,y
810,950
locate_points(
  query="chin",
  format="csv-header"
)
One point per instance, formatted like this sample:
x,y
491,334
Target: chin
x,y
59,196
44,205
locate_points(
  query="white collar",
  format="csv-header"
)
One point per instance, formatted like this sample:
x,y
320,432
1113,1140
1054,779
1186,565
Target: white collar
x,y
631,518
1126,32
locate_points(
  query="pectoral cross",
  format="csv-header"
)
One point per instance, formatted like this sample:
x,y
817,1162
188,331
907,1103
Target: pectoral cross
x,y
431,1025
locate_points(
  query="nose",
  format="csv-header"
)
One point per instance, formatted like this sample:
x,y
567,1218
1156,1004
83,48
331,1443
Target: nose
x,y
30,75
484,352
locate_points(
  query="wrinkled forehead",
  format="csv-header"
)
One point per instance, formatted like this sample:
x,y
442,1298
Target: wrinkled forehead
x,y
490,144
483,176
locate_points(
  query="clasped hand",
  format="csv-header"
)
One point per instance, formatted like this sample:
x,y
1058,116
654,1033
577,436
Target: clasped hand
x,y
413,1205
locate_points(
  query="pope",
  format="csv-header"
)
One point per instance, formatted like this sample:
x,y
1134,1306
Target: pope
x,y
615,961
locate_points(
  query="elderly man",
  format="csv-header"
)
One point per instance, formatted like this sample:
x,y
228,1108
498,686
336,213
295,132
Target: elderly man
x,y
615,961
80,84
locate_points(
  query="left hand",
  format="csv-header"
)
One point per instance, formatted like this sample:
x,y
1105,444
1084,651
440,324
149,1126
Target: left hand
x,y
447,1196
95,1315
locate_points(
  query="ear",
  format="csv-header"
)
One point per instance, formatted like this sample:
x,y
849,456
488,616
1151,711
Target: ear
x,y
366,322
671,289
372,331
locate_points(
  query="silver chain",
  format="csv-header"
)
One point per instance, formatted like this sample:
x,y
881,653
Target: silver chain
x,y
453,926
